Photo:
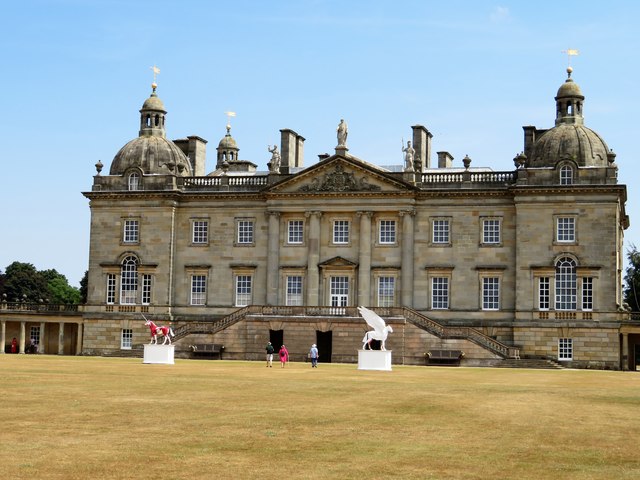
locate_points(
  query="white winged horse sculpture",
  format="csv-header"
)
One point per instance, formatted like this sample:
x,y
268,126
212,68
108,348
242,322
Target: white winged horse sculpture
x,y
380,329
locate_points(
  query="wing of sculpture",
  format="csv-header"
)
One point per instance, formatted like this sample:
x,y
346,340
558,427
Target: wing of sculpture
x,y
373,319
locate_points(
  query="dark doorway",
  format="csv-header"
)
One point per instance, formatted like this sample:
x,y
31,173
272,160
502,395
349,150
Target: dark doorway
x,y
636,357
276,337
324,341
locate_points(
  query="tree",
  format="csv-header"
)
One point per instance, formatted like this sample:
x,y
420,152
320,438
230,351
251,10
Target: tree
x,y
24,282
84,287
632,280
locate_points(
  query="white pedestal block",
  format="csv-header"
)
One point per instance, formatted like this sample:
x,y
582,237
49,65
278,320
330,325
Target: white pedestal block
x,y
374,360
158,354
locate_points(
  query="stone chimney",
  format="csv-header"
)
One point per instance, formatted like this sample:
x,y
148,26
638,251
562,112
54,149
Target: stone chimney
x,y
422,145
196,149
445,160
292,150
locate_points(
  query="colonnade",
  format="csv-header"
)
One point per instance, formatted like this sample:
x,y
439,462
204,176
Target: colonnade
x,y
22,340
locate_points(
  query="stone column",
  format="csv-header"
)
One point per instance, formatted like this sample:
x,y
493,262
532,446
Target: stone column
x,y
3,335
273,257
79,339
61,339
407,257
23,328
41,348
364,259
625,351
313,258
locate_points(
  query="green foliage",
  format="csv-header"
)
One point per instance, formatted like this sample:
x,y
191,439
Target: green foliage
x,y
84,287
632,280
23,282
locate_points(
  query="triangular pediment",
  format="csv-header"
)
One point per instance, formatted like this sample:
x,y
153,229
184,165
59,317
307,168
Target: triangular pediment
x,y
337,262
338,174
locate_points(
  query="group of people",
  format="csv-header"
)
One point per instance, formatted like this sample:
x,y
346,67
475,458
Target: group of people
x,y
283,353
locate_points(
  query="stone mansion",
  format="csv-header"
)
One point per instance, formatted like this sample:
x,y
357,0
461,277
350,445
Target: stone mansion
x,y
496,264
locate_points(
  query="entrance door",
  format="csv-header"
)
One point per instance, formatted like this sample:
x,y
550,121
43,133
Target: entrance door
x,y
324,341
276,337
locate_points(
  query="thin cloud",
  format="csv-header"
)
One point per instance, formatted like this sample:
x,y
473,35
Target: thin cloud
x,y
500,14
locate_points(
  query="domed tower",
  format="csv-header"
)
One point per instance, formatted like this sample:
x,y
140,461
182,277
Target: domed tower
x,y
227,149
569,140
151,153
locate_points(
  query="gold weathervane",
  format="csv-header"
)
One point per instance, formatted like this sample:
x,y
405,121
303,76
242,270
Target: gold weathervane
x,y
156,71
229,115
570,52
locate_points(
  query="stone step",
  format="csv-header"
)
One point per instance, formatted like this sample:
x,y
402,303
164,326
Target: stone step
x,y
528,363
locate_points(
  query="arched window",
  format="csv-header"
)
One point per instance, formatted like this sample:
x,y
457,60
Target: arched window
x,y
566,284
566,175
134,181
129,280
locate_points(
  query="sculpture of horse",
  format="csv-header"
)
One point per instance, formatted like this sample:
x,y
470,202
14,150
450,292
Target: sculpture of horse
x,y
166,332
380,329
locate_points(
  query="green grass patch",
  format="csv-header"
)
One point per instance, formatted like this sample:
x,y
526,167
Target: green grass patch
x,y
112,418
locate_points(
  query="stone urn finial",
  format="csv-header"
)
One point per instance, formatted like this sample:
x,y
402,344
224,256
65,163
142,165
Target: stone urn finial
x,y
466,161
99,167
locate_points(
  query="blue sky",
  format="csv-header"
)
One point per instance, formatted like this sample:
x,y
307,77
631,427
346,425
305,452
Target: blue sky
x,y
75,73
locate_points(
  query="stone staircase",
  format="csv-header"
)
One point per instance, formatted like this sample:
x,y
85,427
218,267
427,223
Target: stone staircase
x,y
539,363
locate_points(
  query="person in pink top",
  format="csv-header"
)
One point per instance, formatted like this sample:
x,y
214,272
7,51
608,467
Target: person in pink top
x,y
284,355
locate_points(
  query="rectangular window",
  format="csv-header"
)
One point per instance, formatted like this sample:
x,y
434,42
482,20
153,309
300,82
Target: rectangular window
x,y
491,231
243,290
341,231
126,339
490,293
587,293
386,291
566,229
565,349
387,233
200,231
441,231
35,335
146,289
111,288
339,291
131,231
440,293
294,290
544,293
198,289
128,285
245,232
296,232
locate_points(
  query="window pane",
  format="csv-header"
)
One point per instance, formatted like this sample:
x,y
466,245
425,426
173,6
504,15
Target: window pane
x,y
339,291
386,291
441,231
111,288
490,293
566,284
387,231
544,293
566,175
198,289
129,281
341,231
245,231
440,293
565,349
294,290
131,231
146,289
491,231
296,231
126,338
566,229
243,290
200,231
587,293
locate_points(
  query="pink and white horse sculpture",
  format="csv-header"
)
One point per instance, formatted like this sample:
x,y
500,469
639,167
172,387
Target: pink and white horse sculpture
x,y
156,330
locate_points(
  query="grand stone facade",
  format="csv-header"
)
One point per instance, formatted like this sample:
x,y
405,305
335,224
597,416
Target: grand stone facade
x,y
526,262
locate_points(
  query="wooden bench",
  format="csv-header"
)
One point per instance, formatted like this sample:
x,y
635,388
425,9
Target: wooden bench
x,y
444,357
212,350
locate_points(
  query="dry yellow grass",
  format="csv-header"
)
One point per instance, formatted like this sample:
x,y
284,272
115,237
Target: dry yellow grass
x,y
108,418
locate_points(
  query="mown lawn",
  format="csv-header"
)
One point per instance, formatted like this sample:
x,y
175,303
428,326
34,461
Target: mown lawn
x,y
111,418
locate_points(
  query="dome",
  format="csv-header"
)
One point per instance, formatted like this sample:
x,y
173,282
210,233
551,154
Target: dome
x,y
569,142
569,89
153,155
153,103
228,142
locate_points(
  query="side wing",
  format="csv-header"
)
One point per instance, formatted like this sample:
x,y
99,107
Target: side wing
x,y
373,319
